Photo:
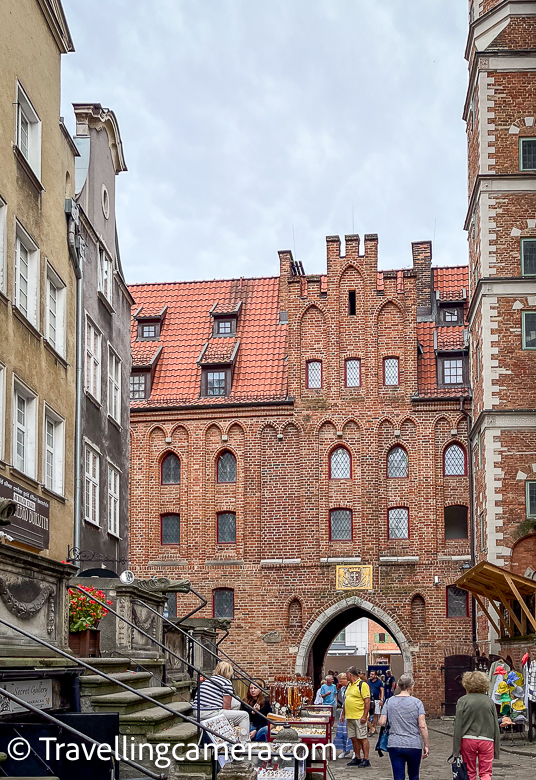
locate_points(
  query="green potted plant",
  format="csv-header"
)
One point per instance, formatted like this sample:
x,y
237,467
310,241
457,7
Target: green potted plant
x,y
84,617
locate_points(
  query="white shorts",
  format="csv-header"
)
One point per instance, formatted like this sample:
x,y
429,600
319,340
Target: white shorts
x,y
377,707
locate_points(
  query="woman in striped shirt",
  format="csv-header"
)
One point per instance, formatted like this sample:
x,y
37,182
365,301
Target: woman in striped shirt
x,y
215,698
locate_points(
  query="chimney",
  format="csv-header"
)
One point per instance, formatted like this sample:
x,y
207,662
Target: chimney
x,y
422,263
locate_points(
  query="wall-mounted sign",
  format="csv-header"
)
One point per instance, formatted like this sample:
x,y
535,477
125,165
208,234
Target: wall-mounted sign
x,y
36,692
354,578
30,522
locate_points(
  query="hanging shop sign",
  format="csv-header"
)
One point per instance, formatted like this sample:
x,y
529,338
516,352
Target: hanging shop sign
x,y
354,578
30,523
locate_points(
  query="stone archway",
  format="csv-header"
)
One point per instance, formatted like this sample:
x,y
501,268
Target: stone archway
x,y
352,603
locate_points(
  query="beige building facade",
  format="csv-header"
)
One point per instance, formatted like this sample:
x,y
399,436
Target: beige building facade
x,y
37,280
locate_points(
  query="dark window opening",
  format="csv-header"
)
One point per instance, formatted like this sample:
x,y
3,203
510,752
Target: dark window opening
x,y
351,303
170,529
171,470
529,329
226,528
171,606
456,522
457,602
227,467
223,603
527,154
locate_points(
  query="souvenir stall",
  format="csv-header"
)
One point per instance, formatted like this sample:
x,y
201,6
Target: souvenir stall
x,y
508,601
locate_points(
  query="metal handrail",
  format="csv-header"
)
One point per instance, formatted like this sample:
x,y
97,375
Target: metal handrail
x,y
203,604
244,674
121,684
163,647
77,733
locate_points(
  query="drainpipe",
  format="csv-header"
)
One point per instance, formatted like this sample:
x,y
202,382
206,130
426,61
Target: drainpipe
x,y
77,263
472,526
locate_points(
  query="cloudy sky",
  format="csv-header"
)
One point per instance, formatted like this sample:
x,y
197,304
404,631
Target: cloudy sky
x,y
251,126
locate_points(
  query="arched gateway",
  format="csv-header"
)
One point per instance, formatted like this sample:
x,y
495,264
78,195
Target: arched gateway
x,y
335,618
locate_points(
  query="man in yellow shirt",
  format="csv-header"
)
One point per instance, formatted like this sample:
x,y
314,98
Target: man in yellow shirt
x,y
356,711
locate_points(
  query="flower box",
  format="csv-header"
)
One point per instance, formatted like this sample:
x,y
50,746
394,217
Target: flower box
x,y
85,644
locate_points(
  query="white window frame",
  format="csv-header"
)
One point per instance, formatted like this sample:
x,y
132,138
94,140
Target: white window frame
x,y
91,485
105,275
28,142
24,432
53,453
3,224
55,322
114,478
93,363
114,384
27,270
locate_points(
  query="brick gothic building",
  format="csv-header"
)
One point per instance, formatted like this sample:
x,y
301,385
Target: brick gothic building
x,y
284,426
500,112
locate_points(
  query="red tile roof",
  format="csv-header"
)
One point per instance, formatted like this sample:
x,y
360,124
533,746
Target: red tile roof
x,y
220,350
451,338
451,282
144,352
260,372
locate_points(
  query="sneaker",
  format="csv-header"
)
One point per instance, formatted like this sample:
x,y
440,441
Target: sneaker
x,y
364,763
354,762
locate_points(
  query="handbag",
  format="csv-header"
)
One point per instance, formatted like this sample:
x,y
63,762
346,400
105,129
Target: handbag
x,y
383,738
459,768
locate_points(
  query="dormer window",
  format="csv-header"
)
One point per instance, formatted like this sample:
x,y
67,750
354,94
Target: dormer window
x,y
150,320
451,315
148,330
224,327
216,381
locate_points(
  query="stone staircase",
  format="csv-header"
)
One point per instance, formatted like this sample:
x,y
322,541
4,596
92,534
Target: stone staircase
x,y
141,721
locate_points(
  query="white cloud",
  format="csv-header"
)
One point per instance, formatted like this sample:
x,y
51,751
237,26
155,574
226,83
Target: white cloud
x,y
243,122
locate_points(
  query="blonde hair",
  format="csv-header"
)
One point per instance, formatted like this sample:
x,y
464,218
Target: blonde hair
x,y
475,682
225,669
322,682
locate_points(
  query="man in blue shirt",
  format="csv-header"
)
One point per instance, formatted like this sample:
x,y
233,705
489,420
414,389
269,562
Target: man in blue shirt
x,y
328,693
376,694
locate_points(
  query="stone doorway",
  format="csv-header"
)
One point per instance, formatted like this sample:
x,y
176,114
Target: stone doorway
x,y
329,623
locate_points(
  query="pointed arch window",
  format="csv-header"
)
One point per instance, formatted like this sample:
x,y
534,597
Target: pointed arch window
x,y
171,469
340,464
454,461
397,463
226,467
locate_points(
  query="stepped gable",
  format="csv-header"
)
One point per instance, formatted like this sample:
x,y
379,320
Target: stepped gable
x,y
260,372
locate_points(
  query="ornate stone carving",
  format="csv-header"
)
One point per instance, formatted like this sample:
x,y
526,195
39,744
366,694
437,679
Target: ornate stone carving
x,y
147,623
51,614
272,637
120,625
13,593
163,585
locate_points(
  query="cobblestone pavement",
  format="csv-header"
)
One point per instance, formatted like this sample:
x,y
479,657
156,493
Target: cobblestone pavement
x,y
509,767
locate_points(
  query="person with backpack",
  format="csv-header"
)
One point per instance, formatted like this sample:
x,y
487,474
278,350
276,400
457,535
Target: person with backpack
x,y
355,712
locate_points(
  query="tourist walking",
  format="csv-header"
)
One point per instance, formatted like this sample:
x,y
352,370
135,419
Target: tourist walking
x,y
258,728
215,695
389,684
408,733
328,692
376,698
355,712
318,697
476,728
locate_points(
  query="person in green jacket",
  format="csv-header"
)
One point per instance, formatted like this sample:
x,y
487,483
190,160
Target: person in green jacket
x,y
476,728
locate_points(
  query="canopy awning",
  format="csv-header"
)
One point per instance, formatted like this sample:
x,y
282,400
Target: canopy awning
x,y
503,590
